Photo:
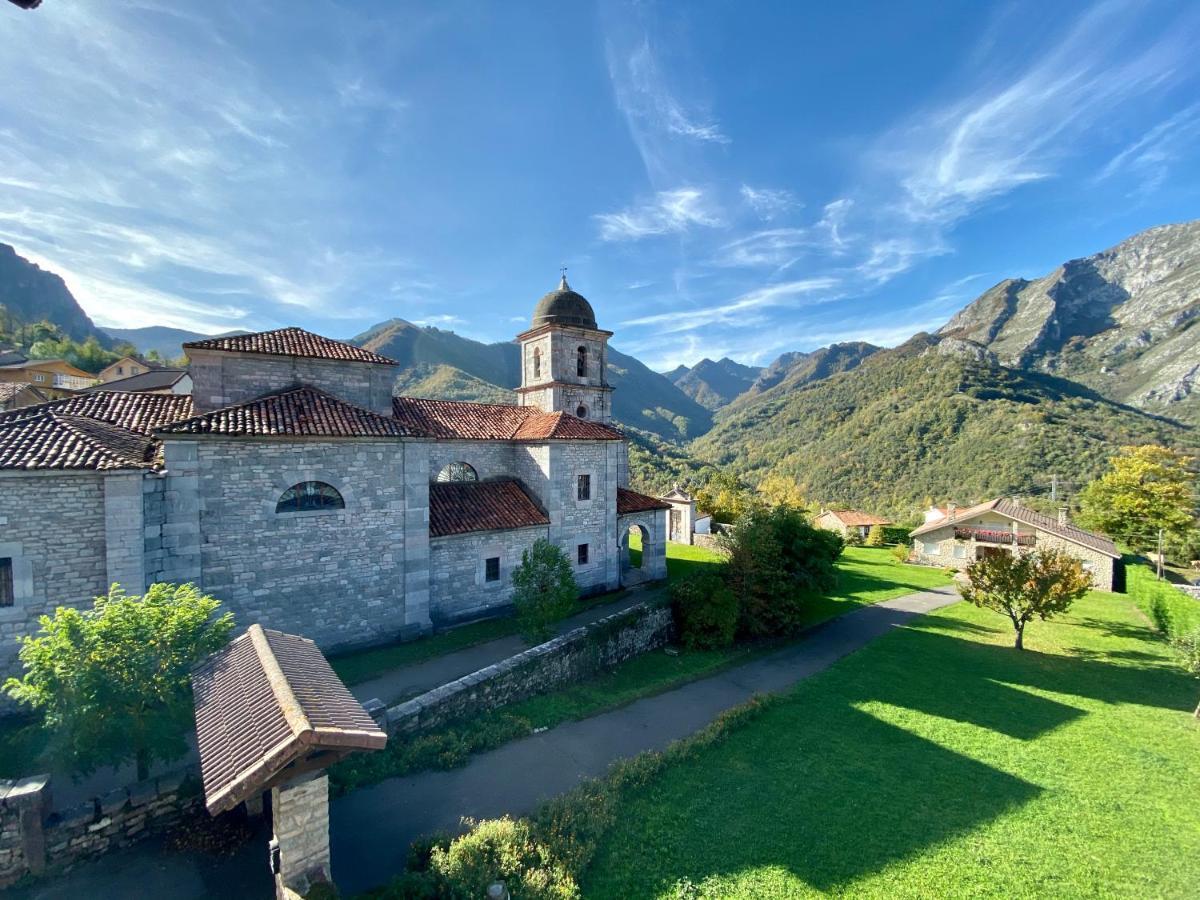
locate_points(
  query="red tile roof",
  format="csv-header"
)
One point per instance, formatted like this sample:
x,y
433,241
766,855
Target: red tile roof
x,y
301,412
142,413
854,517
290,342
265,701
631,501
459,507
46,439
455,419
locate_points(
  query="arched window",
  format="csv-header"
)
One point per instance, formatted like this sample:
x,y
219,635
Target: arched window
x,y
581,411
581,362
537,362
457,471
308,496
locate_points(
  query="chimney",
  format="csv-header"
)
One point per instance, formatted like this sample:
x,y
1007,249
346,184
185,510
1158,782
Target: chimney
x,y
1062,516
951,509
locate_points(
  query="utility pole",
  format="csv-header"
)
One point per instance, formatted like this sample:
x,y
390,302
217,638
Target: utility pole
x,y
1160,554
1053,487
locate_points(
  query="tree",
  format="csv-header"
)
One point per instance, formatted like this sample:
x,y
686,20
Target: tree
x,y
876,537
724,496
544,589
777,561
1042,583
1188,648
706,610
780,490
1147,488
113,682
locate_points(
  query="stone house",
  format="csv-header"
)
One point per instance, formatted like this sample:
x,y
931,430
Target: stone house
x,y
296,489
849,523
1006,526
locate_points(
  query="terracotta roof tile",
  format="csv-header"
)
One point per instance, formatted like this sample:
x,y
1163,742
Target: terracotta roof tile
x,y
142,413
302,412
10,389
265,701
463,506
290,342
46,439
631,501
456,419
854,517
154,380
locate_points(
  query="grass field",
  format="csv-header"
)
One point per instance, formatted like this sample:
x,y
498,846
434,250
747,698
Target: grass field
x,y
940,762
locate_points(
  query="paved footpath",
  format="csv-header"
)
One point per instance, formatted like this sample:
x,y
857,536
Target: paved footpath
x,y
372,827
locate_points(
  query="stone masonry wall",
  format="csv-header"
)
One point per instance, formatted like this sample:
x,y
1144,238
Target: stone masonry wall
x,y
576,655
225,379
52,525
458,589
489,459
338,577
592,522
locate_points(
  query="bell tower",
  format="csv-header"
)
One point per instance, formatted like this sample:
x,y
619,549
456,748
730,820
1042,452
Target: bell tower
x,y
564,358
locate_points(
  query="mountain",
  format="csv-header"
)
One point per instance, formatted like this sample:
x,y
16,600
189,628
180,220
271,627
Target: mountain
x,y
794,370
167,341
936,417
1120,321
448,383
714,384
29,294
642,399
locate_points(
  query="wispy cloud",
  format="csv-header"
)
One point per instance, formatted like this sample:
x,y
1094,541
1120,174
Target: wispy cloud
x,y
670,212
745,310
1151,157
769,203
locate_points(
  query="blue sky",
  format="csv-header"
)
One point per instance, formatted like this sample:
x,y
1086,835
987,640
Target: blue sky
x,y
721,178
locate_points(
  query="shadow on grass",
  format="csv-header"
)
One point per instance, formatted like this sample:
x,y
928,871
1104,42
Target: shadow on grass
x,y
820,786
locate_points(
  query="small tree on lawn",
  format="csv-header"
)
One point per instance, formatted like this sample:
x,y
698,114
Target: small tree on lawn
x,y
1188,648
113,682
544,589
1042,583
875,537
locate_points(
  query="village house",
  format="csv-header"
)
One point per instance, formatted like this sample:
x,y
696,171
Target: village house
x,y
54,377
18,394
849,523
960,536
125,367
296,489
156,380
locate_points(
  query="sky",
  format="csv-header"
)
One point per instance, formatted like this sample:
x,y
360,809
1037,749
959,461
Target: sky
x,y
720,178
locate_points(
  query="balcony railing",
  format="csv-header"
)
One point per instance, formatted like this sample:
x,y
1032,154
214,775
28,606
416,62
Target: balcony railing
x,y
993,536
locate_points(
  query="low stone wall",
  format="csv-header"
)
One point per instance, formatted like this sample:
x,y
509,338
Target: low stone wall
x,y
573,656
707,541
33,837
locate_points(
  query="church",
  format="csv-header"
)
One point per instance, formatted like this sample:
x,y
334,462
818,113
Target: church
x,y
296,489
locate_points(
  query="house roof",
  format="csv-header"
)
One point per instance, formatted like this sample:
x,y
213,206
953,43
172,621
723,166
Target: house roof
x,y
631,502
459,507
263,704
142,413
290,342
300,412
33,364
456,419
854,517
46,439
154,380
10,389
1026,516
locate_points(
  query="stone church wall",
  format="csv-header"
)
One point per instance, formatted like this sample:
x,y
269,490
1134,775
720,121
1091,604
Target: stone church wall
x,y
337,576
458,588
489,459
592,522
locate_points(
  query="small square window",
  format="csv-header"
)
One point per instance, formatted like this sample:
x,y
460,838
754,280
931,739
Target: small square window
x,y
583,554
585,487
491,568
6,582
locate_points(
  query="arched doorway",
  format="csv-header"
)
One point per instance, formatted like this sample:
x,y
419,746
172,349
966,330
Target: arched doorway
x,y
634,540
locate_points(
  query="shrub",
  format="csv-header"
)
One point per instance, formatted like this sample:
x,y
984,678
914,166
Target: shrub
x,y
505,849
1160,613
1188,648
776,561
875,536
706,610
544,589
897,534
900,552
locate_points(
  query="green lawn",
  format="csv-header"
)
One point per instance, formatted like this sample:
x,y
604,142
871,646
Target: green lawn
x,y
939,762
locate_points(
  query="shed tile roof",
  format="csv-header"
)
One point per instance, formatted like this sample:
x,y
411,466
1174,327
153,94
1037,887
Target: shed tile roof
x,y
300,412
290,342
1026,516
264,702
10,389
46,439
154,380
143,413
854,517
456,419
631,502
460,507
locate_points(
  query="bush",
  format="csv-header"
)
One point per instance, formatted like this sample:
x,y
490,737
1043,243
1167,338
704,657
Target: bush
x,y
1160,613
875,536
544,589
777,560
900,552
501,849
897,534
1188,648
706,610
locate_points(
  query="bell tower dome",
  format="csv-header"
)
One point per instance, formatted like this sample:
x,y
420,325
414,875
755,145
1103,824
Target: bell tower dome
x,y
564,357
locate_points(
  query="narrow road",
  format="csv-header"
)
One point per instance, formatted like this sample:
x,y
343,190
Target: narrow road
x,y
372,828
